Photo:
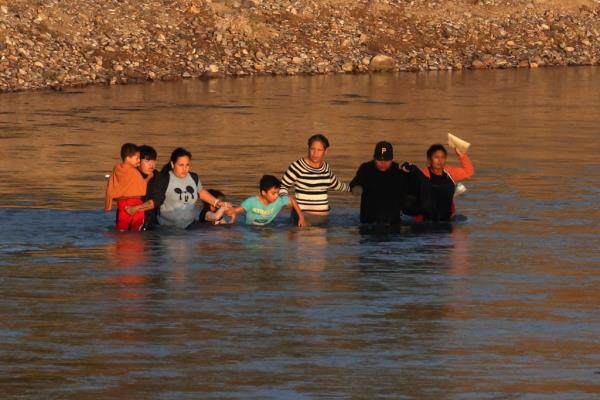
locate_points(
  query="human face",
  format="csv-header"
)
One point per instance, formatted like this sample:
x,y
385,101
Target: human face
x,y
133,160
270,195
147,166
383,165
438,160
317,152
181,167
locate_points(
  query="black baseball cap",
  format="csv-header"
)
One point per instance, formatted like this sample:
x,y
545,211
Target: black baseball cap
x,y
383,151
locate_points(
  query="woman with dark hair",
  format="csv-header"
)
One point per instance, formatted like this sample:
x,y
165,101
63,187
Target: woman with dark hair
x,y
175,190
442,181
312,178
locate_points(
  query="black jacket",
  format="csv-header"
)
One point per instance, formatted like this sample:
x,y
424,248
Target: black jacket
x,y
381,199
386,194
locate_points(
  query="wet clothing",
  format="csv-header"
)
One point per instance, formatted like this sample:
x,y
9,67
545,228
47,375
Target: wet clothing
x,y
442,193
174,199
153,193
125,181
127,185
310,219
311,185
179,207
386,193
126,222
258,213
380,201
442,188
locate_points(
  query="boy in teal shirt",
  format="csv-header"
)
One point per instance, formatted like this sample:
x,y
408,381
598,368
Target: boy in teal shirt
x,y
262,209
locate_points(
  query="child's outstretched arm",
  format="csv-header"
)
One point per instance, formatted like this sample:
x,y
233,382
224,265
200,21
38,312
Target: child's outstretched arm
x,y
233,213
148,205
301,220
215,216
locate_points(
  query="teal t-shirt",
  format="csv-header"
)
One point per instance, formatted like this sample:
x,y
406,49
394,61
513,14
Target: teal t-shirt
x,y
258,213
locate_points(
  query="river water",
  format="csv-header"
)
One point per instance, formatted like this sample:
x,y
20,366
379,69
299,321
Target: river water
x,y
504,306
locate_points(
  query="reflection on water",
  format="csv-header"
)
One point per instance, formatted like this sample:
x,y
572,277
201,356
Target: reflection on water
x,y
502,306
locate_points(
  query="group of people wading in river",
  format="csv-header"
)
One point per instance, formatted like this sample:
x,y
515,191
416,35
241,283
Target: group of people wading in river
x,y
390,193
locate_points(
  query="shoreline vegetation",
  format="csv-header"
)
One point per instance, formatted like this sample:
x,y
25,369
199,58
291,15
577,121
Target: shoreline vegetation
x,y
55,44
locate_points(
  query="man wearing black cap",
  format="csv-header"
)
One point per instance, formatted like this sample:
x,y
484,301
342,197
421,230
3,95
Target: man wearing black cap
x,y
383,186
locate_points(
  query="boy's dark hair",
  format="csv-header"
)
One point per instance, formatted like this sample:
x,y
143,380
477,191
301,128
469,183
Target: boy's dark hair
x,y
435,147
147,152
128,150
269,181
318,138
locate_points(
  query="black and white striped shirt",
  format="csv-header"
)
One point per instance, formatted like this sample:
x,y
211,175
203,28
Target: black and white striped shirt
x,y
311,185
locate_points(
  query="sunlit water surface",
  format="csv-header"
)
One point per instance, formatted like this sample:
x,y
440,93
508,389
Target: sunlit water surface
x,y
504,306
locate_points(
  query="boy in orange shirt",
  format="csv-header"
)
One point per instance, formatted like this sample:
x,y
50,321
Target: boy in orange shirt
x,y
127,185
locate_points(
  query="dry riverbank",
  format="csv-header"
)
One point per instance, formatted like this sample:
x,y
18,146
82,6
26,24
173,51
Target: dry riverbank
x,y
55,44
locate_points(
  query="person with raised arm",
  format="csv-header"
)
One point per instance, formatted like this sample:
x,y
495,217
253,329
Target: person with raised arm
x,y
443,179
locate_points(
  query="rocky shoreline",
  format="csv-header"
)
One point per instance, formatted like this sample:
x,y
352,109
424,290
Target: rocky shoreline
x,y
57,43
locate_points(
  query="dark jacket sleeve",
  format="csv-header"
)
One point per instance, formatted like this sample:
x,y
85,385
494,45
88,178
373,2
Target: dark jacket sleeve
x,y
157,188
359,179
416,198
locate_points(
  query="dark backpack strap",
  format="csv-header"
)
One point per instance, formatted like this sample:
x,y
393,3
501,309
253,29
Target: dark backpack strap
x,y
195,177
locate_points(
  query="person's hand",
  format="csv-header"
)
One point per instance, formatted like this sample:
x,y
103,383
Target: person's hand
x,y
131,210
458,152
227,205
357,190
302,221
408,167
107,209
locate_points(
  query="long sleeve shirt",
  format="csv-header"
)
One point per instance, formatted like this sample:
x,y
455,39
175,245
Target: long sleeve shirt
x,y
311,185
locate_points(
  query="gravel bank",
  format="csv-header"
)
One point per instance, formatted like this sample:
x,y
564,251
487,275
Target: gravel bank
x,y
56,44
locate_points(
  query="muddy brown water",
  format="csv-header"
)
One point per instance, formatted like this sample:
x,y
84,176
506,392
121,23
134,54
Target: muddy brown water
x,y
503,306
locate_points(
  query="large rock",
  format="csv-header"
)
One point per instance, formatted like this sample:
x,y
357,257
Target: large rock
x,y
477,64
382,63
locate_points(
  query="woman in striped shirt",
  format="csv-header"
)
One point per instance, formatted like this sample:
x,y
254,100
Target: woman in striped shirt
x,y
311,177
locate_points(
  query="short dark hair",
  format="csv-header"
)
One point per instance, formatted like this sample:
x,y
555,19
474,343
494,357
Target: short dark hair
x,y
318,138
147,152
269,181
434,148
128,150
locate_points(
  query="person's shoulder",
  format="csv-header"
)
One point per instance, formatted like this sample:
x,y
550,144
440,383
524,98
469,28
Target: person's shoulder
x,y
249,201
397,168
283,200
325,167
299,163
162,175
368,165
160,179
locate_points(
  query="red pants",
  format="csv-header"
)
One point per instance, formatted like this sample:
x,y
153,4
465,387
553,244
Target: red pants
x,y
126,222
